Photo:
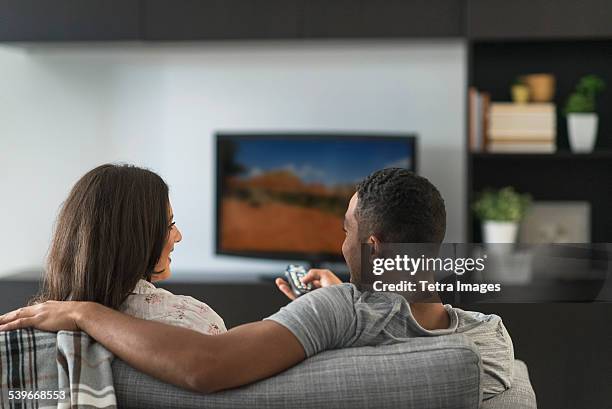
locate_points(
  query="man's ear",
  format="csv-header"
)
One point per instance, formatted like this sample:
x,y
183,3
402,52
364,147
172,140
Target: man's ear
x,y
375,247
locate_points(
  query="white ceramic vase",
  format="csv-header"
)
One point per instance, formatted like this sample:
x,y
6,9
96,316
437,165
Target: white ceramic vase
x,y
582,128
499,232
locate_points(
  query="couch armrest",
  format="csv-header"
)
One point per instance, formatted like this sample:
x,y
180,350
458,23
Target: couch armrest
x,y
520,396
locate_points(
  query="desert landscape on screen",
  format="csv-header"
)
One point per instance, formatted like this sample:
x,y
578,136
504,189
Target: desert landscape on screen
x,y
277,211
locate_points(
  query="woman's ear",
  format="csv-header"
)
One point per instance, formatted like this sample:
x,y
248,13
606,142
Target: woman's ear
x,y
160,276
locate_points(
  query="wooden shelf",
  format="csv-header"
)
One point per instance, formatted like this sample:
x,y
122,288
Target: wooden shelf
x,y
563,155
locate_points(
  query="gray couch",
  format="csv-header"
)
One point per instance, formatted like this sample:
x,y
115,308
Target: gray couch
x,y
438,372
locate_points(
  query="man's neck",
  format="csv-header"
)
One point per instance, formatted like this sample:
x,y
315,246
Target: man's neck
x,y
430,316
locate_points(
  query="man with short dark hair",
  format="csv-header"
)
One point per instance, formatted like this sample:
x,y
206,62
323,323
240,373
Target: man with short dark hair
x,y
391,205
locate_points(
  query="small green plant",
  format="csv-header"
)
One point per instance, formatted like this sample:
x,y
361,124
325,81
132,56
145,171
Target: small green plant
x,y
582,100
505,205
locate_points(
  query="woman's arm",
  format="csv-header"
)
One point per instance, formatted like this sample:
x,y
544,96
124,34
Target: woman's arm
x,y
176,355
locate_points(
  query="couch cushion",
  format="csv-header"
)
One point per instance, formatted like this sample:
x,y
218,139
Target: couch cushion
x,y
436,372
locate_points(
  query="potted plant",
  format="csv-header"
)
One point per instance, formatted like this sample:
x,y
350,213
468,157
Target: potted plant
x,y
500,212
580,111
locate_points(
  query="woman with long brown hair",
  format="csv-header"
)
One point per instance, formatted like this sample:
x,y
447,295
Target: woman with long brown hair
x,y
112,239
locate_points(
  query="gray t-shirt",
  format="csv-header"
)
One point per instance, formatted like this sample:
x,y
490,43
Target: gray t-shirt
x,y
341,316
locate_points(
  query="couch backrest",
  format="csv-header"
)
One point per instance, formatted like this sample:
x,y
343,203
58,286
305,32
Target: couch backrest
x,y
424,373
437,372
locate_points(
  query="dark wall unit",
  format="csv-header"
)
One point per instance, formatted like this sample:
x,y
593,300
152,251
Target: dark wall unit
x,y
175,20
532,19
69,20
219,19
493,65
383,18
178,20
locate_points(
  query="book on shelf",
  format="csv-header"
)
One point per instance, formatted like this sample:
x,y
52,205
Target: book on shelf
x,y
521,147
521,128
521,135
472,118
478,121
525,122
485,117
532,108
510,127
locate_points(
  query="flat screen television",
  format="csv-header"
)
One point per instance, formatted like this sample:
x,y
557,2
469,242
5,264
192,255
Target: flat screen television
x,y
284,195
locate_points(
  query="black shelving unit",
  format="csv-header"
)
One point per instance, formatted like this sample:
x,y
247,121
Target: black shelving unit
x,y
493,64
568,38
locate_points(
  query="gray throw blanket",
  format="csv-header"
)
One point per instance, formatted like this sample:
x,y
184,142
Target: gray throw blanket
x,y
48,370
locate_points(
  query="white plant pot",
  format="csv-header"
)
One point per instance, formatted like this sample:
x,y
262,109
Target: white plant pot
x,y
499,232
582,128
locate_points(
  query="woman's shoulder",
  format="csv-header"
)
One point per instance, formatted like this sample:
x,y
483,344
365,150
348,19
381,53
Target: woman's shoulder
x,y
144,287
147,292
153,303
147,298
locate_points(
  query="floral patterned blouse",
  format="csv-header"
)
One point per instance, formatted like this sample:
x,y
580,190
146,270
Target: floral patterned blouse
x,y
156,304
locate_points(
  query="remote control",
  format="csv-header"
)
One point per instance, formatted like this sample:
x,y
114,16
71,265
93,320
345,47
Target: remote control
x,y
293,274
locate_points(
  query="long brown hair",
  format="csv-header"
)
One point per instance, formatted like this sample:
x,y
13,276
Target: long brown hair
x,y
110,233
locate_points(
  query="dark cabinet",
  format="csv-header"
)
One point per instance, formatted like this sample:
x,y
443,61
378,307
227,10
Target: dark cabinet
x,y
539,19
383,18
219,19
176,20
69,20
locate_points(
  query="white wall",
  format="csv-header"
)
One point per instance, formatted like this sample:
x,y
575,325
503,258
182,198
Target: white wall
x,y
65,109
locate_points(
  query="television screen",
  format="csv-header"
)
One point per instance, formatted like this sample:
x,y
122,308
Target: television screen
x,y
284,196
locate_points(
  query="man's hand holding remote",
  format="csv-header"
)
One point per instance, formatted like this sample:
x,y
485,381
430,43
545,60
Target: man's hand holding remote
x,y
318,277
